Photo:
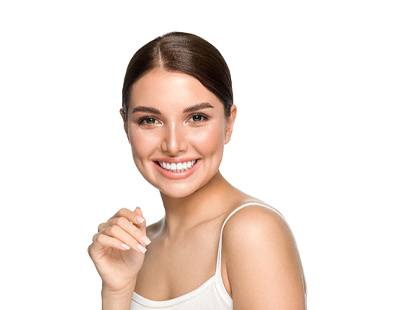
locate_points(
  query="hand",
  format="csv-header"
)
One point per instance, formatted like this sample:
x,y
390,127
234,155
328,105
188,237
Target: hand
x,y
117,266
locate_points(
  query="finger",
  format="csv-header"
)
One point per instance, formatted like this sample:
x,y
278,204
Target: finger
x,y
117,232
134,231
101,226
100,241
139,219
135,217
123,212
130,215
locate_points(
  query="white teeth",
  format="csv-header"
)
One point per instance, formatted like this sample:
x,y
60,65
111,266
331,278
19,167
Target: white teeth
x,y
177,167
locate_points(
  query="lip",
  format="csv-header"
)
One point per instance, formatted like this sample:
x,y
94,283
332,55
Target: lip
x,y
176,176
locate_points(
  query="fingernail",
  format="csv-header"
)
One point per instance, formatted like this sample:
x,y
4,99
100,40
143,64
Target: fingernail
x,y
125,246
139,219
141,248
146,240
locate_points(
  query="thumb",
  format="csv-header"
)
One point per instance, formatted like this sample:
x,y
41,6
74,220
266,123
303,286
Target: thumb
x,y
139,218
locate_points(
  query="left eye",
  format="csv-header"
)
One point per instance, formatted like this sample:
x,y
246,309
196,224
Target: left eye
x,y
199,117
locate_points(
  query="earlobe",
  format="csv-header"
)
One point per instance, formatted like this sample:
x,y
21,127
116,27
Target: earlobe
x,y
230,122
121,112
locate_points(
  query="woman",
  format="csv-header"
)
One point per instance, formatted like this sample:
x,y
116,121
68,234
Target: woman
x,y
178,114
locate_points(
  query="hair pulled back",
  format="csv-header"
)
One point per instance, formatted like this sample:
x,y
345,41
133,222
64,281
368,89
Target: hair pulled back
x,y
183,52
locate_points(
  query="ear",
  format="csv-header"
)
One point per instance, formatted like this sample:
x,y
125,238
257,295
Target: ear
x,y
121,112
229,124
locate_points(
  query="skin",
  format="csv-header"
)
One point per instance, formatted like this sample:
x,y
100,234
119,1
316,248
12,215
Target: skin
x,y
195,207
175,134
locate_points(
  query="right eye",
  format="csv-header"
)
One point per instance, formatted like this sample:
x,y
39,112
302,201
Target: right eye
x,y
146,121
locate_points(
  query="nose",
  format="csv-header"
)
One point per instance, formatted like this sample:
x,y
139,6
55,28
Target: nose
x,y
174,141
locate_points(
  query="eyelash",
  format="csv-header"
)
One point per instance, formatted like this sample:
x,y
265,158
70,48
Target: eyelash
x,y
140,120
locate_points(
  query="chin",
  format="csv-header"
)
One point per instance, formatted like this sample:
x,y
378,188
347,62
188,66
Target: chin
x,y
177,191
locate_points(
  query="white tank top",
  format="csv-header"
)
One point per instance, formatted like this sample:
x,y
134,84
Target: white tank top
x,y
210,295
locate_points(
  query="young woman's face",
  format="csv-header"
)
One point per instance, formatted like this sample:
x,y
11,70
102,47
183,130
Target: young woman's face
x,y
160,130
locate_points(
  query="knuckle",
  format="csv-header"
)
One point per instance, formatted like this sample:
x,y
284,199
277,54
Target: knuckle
x,y
123,211
113,229
121,221
100,238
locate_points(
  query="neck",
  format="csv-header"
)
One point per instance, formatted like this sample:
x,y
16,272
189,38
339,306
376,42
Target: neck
x,y
208,202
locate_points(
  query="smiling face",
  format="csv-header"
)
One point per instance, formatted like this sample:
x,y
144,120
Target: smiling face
x,y
159,129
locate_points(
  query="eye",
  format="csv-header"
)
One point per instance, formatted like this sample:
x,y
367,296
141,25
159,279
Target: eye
x,y
199,117
146,120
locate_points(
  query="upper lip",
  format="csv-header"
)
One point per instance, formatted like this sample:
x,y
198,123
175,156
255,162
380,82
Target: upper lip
x,y
175,160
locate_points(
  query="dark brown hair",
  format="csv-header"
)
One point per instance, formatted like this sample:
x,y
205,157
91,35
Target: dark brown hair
x,y
183,52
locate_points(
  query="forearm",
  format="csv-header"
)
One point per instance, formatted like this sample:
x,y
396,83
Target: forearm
x,y
116,301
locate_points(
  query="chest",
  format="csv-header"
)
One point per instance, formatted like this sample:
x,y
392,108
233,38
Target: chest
x,y
181,267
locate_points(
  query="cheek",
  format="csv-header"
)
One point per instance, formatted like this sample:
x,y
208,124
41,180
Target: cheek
x,y
143,142
208,139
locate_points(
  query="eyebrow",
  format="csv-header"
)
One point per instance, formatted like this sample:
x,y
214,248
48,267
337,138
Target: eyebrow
x,y
196,107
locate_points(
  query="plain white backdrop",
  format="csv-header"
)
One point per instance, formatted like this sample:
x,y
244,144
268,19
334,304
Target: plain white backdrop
x,y
317,86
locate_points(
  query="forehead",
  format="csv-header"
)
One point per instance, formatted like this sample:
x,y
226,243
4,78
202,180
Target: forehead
x,y
159,87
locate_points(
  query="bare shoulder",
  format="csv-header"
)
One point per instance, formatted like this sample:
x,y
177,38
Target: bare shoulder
x,y
257,219
262,260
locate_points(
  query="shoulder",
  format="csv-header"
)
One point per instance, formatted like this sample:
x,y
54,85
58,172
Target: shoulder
x,y
259,218
257,223
262,261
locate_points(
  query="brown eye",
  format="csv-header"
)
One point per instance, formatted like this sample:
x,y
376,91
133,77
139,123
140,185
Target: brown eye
x,y
199,117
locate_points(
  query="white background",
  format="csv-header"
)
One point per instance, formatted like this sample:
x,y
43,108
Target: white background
x,y
317,137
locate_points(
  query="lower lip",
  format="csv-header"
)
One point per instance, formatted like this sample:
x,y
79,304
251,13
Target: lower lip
x,y
175,175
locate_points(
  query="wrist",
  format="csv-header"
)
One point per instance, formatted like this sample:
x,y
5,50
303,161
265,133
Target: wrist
x,y
118,293
117,299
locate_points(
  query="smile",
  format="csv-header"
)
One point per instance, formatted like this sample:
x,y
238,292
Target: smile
x,y
177,167
177,170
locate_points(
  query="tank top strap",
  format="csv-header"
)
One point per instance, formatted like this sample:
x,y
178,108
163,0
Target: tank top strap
x,y
246,203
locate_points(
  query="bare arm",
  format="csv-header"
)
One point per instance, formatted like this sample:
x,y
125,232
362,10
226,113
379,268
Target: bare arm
x,y
117,300
263,264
